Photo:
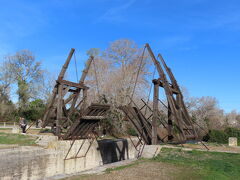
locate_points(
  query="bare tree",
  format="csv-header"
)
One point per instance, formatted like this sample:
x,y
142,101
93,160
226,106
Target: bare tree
x,y
45,87
206,113
114,73
116,70
233,119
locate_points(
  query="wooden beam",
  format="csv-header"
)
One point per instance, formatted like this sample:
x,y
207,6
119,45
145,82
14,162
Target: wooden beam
x,y
65,66
85,71
170,124
59,110
93,117
155,114
72,84
158,81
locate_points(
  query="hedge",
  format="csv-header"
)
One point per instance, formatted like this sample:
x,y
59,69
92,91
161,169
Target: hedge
x,y
221,136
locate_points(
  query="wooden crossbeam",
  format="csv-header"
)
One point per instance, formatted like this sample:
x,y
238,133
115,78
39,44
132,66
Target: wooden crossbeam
x,y
72,84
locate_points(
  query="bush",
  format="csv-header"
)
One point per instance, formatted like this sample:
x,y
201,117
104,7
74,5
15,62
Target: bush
x,y
233,132
35,110
132,132
218,136
45,131
221,136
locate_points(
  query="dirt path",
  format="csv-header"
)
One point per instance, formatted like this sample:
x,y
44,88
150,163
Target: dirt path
x,y
219,148
143,171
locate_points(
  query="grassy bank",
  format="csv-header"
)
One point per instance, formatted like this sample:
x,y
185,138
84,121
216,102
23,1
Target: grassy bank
x,y
22,140
202,165
176,164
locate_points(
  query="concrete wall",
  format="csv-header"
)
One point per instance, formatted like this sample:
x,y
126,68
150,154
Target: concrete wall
x,y
37,163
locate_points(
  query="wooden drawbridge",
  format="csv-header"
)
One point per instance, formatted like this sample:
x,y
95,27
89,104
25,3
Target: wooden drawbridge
x,y
179,126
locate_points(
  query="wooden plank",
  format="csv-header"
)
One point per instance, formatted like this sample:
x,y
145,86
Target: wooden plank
x,y
146,136
126,110
93,117
72,84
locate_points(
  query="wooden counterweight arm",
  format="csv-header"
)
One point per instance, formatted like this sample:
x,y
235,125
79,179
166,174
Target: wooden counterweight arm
x,y
156,63
65,66
169,72
85,71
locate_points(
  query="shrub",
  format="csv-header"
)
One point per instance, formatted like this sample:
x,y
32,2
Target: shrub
x,y
218,136
35,110
221,136
132,132
45,131
233,132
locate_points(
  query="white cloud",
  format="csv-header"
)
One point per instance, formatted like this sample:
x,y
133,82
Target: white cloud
x,y
116,14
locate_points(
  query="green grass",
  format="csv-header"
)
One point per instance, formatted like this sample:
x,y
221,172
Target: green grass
x,y
22,140
202,165
45,131
5,128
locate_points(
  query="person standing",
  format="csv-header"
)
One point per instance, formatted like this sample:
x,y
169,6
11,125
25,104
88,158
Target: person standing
x,y
23,124
39,123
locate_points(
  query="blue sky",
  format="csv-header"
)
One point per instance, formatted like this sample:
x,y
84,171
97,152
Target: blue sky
x,y
199,39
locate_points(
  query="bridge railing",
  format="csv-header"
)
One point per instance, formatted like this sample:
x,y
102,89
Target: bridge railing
x,y
8,124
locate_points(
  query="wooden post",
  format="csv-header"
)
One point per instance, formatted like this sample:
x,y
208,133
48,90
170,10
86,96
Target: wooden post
x,y
170,123
84,99
59,109
155,113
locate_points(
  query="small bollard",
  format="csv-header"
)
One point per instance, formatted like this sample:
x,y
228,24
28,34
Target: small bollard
x,y
15,130
232,141
4,124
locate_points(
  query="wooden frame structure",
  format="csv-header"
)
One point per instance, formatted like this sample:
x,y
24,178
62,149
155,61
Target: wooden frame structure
x,y
65,102
178,115
179,124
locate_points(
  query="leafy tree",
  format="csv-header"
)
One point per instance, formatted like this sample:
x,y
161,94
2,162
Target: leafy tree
x,y
7,108
35,110
26,73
